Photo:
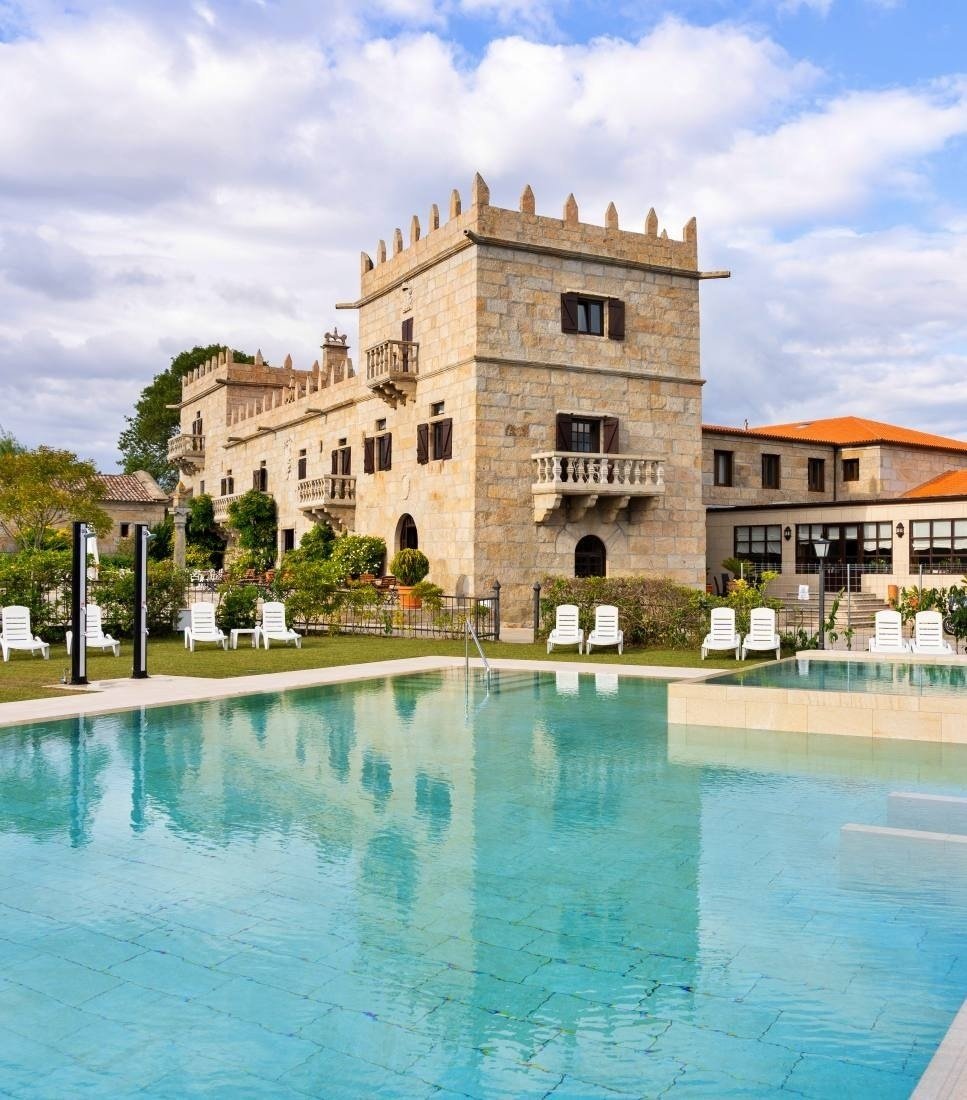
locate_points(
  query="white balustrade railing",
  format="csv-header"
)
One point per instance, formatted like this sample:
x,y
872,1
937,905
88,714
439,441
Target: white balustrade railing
x,y
333,489
392,359
570,471
220,506
180,445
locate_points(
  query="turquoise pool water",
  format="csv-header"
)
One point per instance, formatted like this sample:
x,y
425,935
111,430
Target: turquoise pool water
x,y
404,889
863,676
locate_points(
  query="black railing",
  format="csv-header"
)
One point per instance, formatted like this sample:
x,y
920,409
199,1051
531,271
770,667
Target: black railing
x,y
399,615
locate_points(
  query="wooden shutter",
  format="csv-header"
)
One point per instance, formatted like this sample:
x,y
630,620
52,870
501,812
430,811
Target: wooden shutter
x,y
257,479
569,313
347,460
445,438
616,319
369,455
385,451
563,439
423,444
609,435
335,462
406,329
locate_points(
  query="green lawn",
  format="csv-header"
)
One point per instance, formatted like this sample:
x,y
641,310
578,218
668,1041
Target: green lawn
x,y
26,677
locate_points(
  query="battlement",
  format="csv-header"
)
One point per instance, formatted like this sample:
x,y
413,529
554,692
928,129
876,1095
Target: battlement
x,y
482,223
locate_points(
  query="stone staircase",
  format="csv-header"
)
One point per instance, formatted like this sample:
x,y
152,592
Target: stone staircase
x,y
857,609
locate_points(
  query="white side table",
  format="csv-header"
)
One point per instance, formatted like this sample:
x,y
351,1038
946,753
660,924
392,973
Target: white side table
x,y
234,633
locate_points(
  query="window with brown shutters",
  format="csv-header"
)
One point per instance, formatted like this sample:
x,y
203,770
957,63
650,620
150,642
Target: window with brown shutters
x,y
609,435
369,455
562,440
301,466
586,315
586,434
341,462
423,444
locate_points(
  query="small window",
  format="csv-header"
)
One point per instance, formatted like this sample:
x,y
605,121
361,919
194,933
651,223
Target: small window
x,y
260,478
201,488
288,539
590,316
125,530
590,559
381,425
301,466
377,453
816,475
436,409
586,434
343,442
771,476
851,469
586,315
722,466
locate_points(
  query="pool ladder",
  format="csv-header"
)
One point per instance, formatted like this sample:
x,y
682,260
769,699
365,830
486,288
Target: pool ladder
x,y
468,633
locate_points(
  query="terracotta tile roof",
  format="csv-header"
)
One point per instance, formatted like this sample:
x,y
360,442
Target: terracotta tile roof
x,y
128,487
951,484
847,431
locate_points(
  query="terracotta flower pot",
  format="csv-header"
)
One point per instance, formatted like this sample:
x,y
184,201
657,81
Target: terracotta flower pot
x,y
408,601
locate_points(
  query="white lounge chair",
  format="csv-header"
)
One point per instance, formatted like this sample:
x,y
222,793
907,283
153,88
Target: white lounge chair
x,y
721,632
272,626
566,630
606,632
201,627
15,633
762,634
928,634
888,633
96,638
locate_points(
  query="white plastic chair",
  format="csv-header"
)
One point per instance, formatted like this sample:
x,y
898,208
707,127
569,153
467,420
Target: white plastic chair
x,y
201,627
606,632
566,630
928,634
721,632
94,632
888,633
273,625
762,634
15,633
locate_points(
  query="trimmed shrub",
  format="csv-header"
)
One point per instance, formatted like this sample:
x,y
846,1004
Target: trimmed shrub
x,y
39,580
237,606
409,566
652,611
113,591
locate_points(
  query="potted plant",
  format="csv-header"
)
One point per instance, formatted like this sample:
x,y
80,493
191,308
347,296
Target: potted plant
x,y
409,567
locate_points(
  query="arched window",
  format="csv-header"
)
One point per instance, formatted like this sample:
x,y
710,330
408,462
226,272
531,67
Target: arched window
x,y
407,536
589,557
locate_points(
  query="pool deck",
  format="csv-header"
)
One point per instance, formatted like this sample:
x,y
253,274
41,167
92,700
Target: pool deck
x,y
691,700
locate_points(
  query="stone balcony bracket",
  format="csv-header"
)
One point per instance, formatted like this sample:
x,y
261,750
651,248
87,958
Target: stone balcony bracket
x,y
392,368
580,482
330,499
187,452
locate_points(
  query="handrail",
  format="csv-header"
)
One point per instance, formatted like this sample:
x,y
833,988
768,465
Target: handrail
x,y
470,632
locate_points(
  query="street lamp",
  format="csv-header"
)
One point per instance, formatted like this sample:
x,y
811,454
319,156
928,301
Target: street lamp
x,y
821,547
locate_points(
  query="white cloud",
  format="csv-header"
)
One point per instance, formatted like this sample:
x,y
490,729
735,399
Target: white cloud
x,y
196,183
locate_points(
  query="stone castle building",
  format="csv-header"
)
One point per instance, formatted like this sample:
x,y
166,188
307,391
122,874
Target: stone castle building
x,y
528,402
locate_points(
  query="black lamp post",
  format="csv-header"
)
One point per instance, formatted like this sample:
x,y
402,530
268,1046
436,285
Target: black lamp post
x,y
821,547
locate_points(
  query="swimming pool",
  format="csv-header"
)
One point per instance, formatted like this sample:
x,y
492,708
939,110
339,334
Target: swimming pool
x,y
864,676
410,889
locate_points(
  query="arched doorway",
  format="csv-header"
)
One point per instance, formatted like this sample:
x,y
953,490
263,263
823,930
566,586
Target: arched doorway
x,y
407,536
590,557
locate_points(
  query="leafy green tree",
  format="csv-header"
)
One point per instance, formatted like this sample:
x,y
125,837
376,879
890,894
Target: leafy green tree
x,y
355,554
253,516
144,442
44,488
203,532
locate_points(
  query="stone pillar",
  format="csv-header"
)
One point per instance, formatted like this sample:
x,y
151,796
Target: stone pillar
x,y
180,516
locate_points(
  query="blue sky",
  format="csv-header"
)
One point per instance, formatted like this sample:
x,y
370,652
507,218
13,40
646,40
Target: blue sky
x,y
176,172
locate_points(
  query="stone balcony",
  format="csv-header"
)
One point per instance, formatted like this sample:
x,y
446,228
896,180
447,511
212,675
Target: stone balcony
x,y
391,370
580,481
220,506
187,452
330,499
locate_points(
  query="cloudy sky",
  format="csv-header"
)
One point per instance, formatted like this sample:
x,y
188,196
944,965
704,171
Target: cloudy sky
x,y
177,172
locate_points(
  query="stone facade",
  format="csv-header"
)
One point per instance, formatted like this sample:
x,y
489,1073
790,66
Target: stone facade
x,y
538,380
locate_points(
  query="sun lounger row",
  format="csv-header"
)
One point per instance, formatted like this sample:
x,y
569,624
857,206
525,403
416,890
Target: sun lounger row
x,y
927,637
16,632
567,630
722,635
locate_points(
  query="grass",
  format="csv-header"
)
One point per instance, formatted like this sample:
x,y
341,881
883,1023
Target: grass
x,y
27,677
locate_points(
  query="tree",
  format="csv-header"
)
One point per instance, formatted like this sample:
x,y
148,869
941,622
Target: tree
x,y
42,488
203,531
144,442
253,516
